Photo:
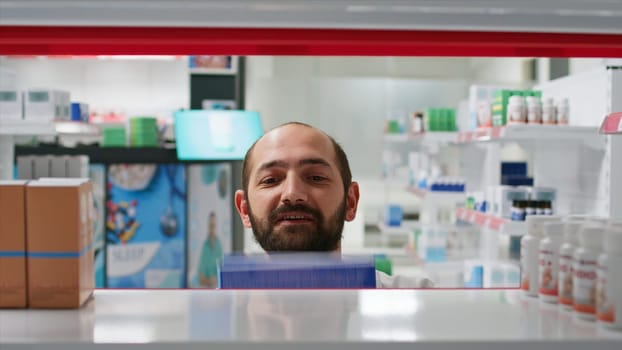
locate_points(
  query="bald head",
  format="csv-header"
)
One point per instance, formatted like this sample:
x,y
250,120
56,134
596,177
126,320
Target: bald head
x,y
284,138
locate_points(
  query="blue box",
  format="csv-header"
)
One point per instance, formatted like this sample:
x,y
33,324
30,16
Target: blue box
x,y
297,270
393,215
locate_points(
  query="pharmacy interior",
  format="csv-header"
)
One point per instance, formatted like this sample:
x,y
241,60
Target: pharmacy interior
x,y
488,160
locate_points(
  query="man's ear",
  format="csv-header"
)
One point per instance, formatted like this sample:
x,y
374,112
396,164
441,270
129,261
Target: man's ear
x,y
242,206
352,201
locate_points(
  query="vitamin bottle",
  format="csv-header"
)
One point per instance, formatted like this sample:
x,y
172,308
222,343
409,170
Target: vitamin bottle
x,y
609,280
517,112
548,257
584,278
563,111
534,110
566,252
529,252
548,111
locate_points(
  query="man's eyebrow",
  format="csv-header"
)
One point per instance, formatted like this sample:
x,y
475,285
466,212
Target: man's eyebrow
x,y
283,164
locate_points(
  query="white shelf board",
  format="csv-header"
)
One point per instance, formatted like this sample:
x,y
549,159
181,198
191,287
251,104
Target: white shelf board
x,y
26,127
438,197
529,132
406,228
501,225
305,319
423,138
76,128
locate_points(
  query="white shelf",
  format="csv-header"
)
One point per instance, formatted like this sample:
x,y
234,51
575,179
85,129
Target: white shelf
x,y
438,197
612,124
30,127
527,132
501,225
26,127
423,138
305,319
406,228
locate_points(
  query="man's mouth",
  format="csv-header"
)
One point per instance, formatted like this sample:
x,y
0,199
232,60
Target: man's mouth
x,y
294,218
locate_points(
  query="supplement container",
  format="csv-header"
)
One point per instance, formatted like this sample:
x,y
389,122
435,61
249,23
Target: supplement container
x,y
563,111
517,112
566,252
549,260
584,278
534,110
548,112
609,280
529,252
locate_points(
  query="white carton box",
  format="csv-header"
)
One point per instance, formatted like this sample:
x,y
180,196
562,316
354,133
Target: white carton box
x,y
11,105
25,167
46,105
78,166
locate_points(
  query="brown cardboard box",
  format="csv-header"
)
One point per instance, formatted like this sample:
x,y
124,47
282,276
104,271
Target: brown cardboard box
x,y
12,244
59,242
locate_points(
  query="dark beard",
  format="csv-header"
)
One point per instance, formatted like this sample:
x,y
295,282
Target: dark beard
x,y
323,236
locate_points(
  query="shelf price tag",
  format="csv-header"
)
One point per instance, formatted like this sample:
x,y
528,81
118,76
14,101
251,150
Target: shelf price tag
x,y
480,219
496,223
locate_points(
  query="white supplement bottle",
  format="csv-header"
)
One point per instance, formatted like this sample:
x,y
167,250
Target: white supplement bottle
x,y
534,110
516,111
584,280
548,111
566,252
563,111
609,283
529,246
549,260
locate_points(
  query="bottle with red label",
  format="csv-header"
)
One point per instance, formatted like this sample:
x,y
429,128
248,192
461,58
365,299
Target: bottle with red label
x,y
566,252
609,282
548,257
584,275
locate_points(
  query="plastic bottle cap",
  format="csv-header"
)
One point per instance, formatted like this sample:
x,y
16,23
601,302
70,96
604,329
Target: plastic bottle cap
x,y
554,229
571,232
612,242
591,236
535,222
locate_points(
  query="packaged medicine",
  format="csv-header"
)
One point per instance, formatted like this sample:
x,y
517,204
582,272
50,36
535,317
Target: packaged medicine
x,y
529,252
549,261
584,279
566,269
609,280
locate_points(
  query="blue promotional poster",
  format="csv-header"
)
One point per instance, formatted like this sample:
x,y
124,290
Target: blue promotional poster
x,y
146,226
209,222
97,174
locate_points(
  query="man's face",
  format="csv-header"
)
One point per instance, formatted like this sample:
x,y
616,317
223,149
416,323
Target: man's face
x,y
295,198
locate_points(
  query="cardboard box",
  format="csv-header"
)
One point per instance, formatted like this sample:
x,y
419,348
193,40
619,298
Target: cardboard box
x,y
13,244
25,167
78,166
59,242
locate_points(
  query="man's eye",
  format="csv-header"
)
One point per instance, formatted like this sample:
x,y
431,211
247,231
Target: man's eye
x,y
269,181
317,178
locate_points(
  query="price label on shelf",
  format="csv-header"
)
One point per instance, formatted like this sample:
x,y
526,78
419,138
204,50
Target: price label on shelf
x,y
495,223
620,125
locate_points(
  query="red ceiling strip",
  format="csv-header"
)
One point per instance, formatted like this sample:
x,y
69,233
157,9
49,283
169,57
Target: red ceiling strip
x,y
48,40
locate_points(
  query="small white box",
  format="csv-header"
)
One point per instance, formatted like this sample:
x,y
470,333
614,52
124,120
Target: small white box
x,y
46,105
11,105
78,166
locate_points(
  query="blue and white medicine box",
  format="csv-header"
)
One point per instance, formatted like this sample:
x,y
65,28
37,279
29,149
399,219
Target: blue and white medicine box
x,y
297,270
393,215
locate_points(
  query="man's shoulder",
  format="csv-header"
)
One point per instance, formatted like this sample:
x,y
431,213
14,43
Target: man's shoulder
x,y
399,281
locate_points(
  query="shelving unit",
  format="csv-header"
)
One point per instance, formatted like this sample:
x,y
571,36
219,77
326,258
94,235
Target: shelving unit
x,y
305,319
437,197
10,129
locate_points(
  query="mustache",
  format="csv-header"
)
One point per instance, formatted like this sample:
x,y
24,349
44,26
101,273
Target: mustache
x,y
295,207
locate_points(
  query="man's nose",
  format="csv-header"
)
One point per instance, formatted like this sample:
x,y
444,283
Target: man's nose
x,y
294,191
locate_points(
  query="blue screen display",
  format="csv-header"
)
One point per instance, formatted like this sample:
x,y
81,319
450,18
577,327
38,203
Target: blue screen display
x,y
215,134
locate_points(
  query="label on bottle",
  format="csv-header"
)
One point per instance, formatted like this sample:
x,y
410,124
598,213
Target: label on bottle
x,y
584,285
564,278
547,272
605,310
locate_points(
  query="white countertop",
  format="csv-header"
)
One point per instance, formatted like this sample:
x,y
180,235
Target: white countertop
x,y
304,319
